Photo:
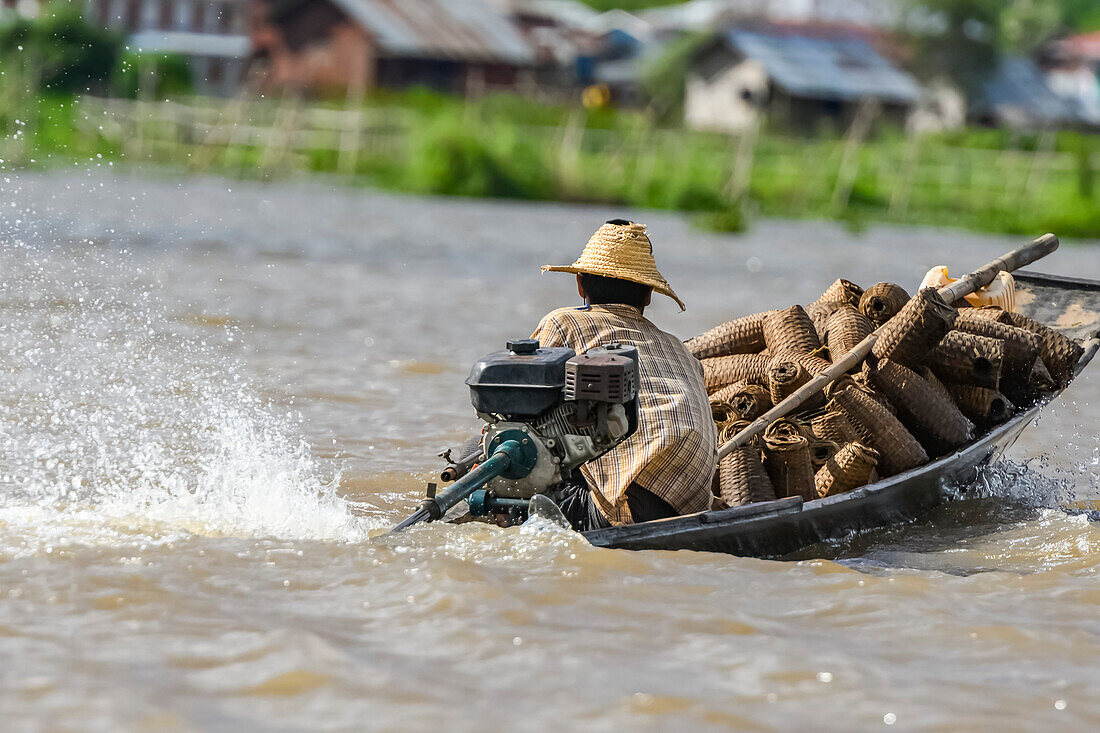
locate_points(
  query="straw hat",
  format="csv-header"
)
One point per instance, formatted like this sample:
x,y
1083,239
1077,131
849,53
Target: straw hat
x,y
620,249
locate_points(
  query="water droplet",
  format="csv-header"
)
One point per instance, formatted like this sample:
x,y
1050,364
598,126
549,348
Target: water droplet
x,y
889,718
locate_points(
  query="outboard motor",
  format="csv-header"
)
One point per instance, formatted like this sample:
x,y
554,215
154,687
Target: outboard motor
x,y
548,411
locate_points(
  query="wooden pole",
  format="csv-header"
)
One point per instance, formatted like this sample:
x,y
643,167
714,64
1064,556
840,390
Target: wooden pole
x,y
965,285
741,176
849,163
351,137
903,187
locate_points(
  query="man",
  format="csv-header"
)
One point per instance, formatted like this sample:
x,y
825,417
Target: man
x,y
665,468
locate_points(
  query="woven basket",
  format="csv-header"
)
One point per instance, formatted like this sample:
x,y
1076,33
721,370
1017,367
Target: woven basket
x,y
833,427
751,401
842,291
1021,346
821,451
790,329
1059,353
991,312
725,394
862,380
1040,381
934,382
852,466
742,478
882,301
722,412
739,336
968,359
880,430
929,414
787,461
748,401
844,381
720,371
985,407
811,363
784,377
846,328
819,312
910,336
784,427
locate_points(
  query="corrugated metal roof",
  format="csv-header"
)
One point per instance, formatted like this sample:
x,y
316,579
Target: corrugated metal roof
x,y
469,30
826,68
192,44
1017,94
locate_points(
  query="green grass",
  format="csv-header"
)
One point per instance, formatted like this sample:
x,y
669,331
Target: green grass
x,y
506,147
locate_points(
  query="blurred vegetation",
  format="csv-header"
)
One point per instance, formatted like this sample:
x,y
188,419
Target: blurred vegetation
x,y
664,79
628,4
962,39
503,147
150,75
58,52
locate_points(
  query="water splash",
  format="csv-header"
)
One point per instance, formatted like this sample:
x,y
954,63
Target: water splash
x,y
115,410
1023,484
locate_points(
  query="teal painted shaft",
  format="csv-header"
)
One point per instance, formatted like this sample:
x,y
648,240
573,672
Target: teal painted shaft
x,y
495,465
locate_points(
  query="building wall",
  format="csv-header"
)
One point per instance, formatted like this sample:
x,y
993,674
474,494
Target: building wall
x,y
314,49
729,101
317,50
222,17
155,20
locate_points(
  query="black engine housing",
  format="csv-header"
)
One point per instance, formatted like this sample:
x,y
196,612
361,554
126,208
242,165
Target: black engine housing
x,y
523,380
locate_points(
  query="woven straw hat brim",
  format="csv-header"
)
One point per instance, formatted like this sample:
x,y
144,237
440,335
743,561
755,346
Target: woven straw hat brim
x,y
623,252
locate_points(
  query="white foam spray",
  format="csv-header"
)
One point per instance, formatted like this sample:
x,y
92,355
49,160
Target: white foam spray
x,y
118,418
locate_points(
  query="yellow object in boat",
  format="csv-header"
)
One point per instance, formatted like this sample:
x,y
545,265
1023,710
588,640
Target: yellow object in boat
x,y
1001,292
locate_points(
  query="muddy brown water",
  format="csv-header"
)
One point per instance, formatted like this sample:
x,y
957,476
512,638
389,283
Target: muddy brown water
x,y
212,394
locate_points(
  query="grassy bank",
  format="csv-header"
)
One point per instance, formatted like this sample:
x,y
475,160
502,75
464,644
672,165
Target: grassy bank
x,y
507,147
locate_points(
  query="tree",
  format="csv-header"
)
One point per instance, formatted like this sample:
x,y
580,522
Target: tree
x,y
963,39
664,78
60,50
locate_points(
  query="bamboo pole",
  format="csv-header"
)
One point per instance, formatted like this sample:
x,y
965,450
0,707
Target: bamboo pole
x,y
965,285
853,142
741,175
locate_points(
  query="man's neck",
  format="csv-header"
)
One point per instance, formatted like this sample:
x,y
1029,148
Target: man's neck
x,y
640,309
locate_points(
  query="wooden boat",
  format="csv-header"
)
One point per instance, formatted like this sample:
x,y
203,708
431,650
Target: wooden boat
x,y
778,528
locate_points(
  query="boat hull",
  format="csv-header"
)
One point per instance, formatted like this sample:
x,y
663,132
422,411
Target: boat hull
x,y
777,528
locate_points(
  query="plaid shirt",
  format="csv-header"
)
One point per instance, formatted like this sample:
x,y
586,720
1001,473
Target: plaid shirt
x,y
673,452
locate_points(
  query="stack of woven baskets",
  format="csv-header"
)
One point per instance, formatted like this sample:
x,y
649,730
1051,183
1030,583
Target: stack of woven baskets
x,y
937,374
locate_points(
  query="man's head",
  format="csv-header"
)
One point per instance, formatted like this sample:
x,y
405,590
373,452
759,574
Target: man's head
x,y
617,266
599,290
